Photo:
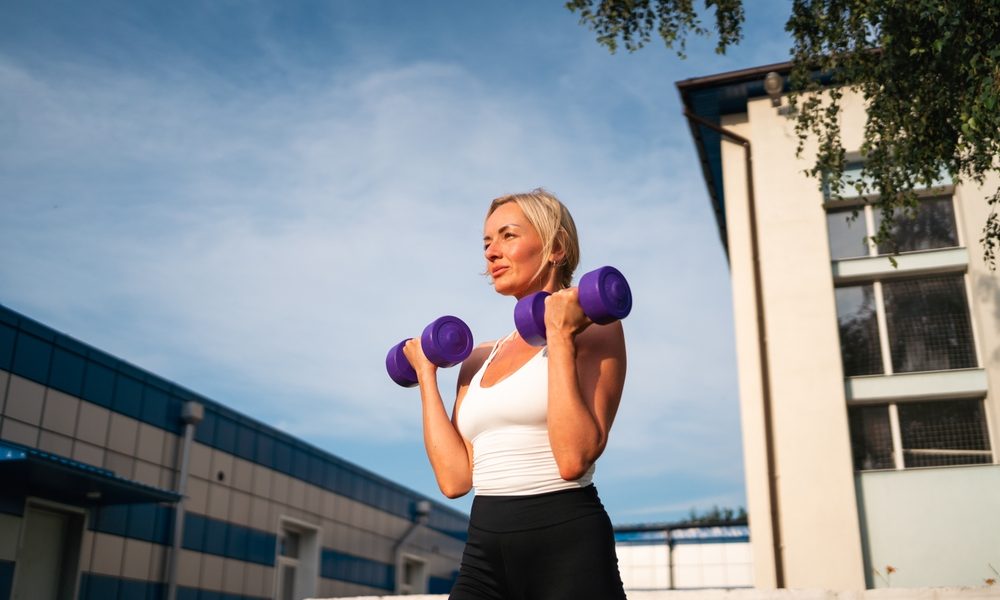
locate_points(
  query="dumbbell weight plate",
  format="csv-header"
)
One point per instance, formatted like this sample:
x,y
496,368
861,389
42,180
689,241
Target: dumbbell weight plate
x,y
400,370
605,295
447,341
529,318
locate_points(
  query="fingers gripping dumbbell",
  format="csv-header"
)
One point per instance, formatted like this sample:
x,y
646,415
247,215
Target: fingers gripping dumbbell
x,y
605,297
446,342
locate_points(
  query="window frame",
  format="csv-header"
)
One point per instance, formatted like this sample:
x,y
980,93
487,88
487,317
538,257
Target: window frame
x,y
898,451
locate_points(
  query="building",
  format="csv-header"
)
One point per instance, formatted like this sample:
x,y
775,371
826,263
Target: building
x,y
99,458
684,556
868,393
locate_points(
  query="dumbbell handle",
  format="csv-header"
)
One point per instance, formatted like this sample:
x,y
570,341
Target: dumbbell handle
x,y
446,342
604,296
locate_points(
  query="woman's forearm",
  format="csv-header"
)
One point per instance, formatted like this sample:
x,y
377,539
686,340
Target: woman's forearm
x,y
575,433
445,448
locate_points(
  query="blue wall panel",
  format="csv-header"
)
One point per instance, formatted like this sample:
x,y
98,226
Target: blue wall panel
x,y
6,578
31,357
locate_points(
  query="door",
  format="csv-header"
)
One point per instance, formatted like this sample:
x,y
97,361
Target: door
x,y
48,556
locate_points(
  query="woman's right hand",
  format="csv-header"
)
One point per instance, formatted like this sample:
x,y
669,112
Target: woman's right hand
x,y
414,353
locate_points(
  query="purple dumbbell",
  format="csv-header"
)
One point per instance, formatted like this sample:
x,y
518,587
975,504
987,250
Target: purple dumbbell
x,y
446,342
605,297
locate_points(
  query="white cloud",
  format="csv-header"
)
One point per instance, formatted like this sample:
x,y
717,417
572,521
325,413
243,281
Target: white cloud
x,y
266,247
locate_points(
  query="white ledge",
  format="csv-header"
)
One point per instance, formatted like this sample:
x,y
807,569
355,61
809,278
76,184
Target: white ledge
x,y
960,383
947,260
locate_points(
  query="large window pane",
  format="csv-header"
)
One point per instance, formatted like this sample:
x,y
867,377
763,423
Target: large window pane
x,y
928,321
871,438
847,233
859,343
949,432
933,226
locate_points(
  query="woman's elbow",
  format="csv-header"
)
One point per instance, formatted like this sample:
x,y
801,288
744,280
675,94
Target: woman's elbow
x,y
454,490
571,470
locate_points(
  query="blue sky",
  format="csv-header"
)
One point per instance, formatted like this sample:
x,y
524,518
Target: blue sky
x,y
257,199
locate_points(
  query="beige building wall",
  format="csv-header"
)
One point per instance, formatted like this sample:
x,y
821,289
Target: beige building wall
x,y
815,491
822,533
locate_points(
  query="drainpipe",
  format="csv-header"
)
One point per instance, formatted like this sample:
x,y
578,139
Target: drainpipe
x,y
191,414
423,512
765,370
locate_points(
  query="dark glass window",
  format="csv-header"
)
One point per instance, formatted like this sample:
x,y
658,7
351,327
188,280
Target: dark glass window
x,y
932,225
99,384
871,438
928,322
225,434
31,358
265,450
128,396
950,432
246,441
858,324
7,336
67,371
282,457
155,407
847,233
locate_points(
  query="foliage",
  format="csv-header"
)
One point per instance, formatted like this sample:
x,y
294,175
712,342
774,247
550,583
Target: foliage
x,y
634,20
714,515
928,70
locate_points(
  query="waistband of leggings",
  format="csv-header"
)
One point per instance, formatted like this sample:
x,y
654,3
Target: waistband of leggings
x,y
505,514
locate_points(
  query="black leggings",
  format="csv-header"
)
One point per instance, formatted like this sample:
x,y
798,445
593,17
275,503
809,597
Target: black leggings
x,y
551,546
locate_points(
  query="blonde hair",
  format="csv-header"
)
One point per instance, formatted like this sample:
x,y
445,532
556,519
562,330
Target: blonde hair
x,y
554,224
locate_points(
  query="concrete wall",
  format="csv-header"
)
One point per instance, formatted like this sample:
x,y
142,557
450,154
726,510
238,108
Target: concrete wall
x,y
933,526
818,515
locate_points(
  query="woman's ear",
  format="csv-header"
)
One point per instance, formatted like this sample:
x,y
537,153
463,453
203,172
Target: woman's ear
x,y
558,254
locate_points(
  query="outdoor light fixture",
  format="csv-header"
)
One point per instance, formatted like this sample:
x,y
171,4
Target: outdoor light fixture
x,y
773,85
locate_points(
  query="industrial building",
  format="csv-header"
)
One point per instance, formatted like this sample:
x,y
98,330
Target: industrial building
x,y
868,390
116,484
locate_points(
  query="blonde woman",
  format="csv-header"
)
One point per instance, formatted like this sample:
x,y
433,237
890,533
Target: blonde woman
x,y
529,423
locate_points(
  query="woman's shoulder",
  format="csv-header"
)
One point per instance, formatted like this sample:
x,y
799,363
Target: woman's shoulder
x,y
475,360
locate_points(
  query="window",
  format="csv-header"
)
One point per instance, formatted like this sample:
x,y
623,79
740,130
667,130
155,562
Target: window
x,y
928,324
848,233
412,575
943,433
858,323
871,438
930,226
919,434
925,322
891,324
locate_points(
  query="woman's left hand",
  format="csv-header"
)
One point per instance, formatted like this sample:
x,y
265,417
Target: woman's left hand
x,y
563,314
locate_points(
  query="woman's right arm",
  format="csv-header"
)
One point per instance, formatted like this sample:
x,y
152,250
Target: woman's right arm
x,y
449,453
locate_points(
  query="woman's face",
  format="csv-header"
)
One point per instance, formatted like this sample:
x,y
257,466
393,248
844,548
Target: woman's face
x,y
513,251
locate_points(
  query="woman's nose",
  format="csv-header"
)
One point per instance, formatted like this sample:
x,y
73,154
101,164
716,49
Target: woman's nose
x,y
491,251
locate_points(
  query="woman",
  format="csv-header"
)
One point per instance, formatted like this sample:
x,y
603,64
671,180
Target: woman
x,y
529,423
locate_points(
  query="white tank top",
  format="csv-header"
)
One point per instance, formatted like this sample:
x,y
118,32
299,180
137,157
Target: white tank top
x,y
507,425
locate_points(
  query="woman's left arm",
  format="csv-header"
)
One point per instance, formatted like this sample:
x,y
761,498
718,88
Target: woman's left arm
x,y
586,377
